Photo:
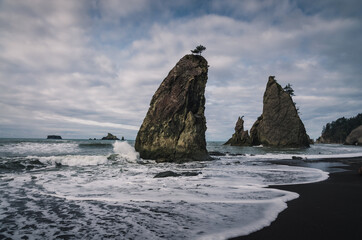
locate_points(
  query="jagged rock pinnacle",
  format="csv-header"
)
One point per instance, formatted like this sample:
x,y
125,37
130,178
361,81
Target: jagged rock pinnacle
x,y
174,127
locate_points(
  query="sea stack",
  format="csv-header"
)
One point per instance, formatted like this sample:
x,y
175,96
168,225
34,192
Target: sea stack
x,y
240,137
279,125
174,127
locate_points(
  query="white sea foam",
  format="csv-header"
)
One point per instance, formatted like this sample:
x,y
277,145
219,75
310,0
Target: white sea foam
x,y
72,160
228,199
125,151
120,197
306,156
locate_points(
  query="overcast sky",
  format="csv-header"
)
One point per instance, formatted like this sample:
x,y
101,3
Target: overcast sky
x,y
81,69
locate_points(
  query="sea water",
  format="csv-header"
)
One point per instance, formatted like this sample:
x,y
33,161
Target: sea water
x,y
93,189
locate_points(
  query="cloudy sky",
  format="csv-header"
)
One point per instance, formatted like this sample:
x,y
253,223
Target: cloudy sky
x,y
81,69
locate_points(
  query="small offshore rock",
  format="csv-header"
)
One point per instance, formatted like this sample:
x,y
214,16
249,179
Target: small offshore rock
x,y
174,174
216,153
190,174
167,174
236,154
112,157
110,137
54,137
296,158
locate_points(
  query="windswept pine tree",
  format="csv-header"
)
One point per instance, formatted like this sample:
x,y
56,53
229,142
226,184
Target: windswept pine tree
x,y
198,50
288,88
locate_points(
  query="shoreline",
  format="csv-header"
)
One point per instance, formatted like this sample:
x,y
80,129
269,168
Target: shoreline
x,y
330,209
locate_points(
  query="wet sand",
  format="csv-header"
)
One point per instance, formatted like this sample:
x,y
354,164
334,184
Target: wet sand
x,y
331,209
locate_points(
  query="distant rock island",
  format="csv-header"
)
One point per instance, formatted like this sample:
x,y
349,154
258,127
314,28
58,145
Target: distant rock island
x,y
355,137
278,126
174,127
110,137
240,137
337,131
54,137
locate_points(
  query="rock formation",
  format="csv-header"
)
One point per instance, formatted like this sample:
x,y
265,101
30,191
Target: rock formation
x,y
54,137
110,137
355,137
174,127
174,174
279,125
240,137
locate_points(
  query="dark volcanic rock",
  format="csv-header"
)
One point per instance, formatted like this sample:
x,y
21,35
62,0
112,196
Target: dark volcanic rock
x,y
174,174
54,137
217,153
166,174
279,125
240,137
355,137
174,127
110,137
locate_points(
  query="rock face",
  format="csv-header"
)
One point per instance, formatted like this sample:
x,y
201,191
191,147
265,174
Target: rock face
x,y
54,137
279,125
110,137
240,137
174,127
355,137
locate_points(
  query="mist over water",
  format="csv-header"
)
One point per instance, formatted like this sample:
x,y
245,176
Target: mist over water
x,y
97,189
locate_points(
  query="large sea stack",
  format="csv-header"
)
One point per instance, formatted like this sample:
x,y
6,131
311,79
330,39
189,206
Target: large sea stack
x,y
240,137
279,125
174,127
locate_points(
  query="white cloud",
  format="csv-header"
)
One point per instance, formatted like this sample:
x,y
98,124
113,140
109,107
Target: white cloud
x,y
97,65
53,117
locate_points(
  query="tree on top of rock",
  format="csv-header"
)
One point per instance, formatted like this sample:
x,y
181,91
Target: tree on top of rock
x,y
288,88
198,50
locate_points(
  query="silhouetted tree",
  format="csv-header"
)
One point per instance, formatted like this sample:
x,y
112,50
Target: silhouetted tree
x,y
288,88
198,50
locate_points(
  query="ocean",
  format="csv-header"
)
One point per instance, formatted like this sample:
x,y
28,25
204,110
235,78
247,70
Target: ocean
x,y
94,189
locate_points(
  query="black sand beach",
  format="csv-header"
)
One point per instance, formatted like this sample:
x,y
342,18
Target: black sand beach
x,y
331,209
